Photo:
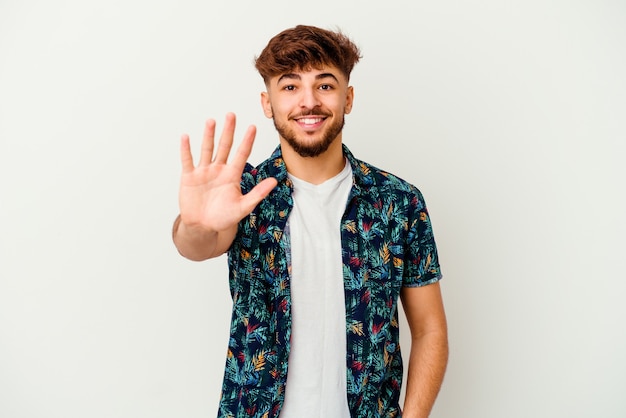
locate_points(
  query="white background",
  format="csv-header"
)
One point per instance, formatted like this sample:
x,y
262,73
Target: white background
x,y
508,115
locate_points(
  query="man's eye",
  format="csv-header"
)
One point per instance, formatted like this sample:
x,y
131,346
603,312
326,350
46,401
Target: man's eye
x,y
289,88
326,87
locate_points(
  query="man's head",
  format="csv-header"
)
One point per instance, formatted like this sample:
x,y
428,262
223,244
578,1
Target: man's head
x,y
306,72
306,48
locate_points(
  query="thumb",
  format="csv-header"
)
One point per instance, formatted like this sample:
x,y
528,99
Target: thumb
x,y
258,193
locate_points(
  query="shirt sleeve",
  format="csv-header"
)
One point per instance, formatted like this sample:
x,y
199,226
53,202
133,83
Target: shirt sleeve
x,y
421,263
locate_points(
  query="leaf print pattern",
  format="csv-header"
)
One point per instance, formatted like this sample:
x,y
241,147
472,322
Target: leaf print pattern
x,y
387,243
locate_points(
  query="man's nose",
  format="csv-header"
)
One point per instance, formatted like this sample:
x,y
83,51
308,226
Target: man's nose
x,y
309,98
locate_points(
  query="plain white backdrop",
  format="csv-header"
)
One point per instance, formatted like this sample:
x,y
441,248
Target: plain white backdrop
x,y
508,115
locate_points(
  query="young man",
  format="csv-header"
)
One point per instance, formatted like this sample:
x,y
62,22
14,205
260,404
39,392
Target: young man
x,y
320,247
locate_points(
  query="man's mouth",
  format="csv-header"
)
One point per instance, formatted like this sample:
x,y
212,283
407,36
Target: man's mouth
x,y
310,122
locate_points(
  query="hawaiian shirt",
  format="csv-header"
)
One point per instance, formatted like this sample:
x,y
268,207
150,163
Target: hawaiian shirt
x,y
387,243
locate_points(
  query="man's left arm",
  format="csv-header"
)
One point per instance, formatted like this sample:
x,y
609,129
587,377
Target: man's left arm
x,y
425,314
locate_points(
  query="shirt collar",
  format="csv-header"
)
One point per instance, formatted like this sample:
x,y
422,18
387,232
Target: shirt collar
x,y
361,172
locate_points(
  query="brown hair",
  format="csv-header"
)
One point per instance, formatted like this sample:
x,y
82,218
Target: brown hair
x,y
304,48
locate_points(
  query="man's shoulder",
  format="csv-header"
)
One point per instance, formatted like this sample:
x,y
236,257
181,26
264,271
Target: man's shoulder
x,y
383,181
385,189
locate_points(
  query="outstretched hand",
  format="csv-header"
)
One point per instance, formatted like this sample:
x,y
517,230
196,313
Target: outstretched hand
x,y
210,195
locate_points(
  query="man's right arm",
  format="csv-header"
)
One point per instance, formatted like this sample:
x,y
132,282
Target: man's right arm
x,y
210,198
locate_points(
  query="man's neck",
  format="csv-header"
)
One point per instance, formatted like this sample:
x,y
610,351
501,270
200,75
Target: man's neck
x,y
314,170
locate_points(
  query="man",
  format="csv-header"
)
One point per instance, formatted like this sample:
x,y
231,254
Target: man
x,y
320,247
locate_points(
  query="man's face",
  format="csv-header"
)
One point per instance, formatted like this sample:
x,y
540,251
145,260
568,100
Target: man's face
x,y
308,108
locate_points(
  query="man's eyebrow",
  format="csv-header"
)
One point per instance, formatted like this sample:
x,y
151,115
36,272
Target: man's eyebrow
x,y
326,75
288,76
294,76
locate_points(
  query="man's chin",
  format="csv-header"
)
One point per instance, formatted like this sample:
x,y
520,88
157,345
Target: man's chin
x,y
308,150
310,147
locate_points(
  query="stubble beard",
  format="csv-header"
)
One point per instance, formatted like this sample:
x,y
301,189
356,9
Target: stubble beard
x,y
311,149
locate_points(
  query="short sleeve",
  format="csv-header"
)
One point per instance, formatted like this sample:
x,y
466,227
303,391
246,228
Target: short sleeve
x,y
421,263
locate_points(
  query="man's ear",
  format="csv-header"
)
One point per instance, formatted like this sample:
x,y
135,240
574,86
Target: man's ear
x,y
267,106
349,99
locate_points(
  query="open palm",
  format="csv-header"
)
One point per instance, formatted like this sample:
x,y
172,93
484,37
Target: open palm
x,y
210,195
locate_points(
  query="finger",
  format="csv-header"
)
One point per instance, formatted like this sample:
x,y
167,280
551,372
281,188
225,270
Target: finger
x,y
226,139
185,154
245,148
258,193
207,143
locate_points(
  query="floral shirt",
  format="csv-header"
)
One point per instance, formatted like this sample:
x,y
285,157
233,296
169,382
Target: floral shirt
x,y
387,243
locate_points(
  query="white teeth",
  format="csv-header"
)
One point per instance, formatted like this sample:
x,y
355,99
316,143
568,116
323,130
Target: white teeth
x,y
310,121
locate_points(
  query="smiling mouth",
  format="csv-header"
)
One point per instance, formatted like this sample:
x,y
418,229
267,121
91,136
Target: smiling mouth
x,y
310,121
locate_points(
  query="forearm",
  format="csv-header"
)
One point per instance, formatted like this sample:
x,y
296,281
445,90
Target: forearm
x,y
197,244
427,365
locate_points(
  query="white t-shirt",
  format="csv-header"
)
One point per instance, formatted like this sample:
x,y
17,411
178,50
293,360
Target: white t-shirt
x,y
316,377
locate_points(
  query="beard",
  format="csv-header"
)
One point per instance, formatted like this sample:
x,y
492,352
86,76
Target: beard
x,y
311,149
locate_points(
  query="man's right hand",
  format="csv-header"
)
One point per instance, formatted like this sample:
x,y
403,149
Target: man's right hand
x,y
210,198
